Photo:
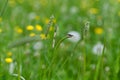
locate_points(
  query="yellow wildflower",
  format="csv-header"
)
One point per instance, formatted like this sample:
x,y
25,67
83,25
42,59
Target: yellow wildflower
x,y
32,34
51,28
37,17
20,1
29,27
12,3
0,19
8,60
54,20
42,36
118,1
43,2
93,11
0,30
119,13
9,54
39,27
84,4
19,30
47,20
98,30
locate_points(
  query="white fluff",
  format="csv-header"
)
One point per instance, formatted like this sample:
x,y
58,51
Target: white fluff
x,y
75,36
98,48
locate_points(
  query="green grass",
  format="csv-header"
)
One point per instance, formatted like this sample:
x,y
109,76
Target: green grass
x,y
67,60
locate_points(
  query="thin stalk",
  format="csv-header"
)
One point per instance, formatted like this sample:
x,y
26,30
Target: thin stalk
x,y
99,64
61,40
4,8
16,75
55,55
19,66
84,60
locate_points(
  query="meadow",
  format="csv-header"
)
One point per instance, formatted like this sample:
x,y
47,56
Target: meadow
x,y
59,40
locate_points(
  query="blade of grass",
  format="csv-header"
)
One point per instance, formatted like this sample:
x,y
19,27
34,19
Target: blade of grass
x,y
100,62
4,8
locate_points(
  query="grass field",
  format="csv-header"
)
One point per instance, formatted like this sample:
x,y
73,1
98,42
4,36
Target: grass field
x,y
59,40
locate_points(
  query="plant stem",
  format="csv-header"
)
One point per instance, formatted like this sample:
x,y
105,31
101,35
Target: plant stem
x,y
4,8
99,64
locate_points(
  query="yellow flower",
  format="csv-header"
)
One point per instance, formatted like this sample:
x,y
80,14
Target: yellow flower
x,y
47,20
0,30
19,30
93,11
37,17
39,27
42,36
8,60
84,4
51,28
43,2
12,3
54,20
29,27
0,19
98,30
32,34
20,1
119,13
9,54
118,1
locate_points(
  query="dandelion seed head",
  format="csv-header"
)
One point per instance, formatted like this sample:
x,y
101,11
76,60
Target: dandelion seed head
x,y
11,67
107,68
73,10
32,16
36,54
37,46
74,36
43,66
63,8
98,48
92,66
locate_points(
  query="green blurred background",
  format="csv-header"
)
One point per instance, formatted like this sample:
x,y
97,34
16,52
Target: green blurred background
x,y
65,63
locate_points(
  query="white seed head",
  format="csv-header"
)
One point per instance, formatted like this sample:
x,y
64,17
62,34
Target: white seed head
x,y
98,48
74,36
11,68
73,10
32,15
92,66
37,46
107,68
